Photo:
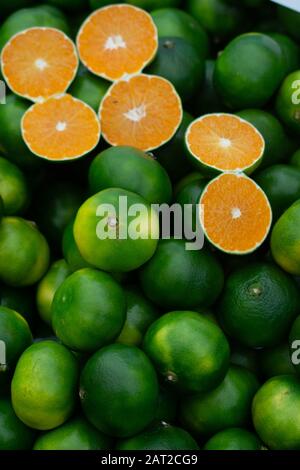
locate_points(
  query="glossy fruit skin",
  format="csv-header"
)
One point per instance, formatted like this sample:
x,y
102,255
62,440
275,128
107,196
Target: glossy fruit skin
x,y
24,252
89,88
290,20
119,390
44,385
173,271
285,240
273,133
114,254
115,166
216,17
178,23
171,155
276,361
70,250
290,51
76,434
188,350
233,439
288,102
258,305
41,15
14,435
179,62
16,334
11,139
79,319
160,437
228,405
14,190
239,80
281,184
139,316
275,412
47,287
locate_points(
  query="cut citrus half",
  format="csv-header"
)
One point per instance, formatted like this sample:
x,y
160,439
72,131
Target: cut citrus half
x,y
143,111
117,41
235,213
39,62
225,142
60,128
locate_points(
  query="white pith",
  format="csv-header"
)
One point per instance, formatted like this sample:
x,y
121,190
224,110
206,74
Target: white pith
x,y
136,114
115,42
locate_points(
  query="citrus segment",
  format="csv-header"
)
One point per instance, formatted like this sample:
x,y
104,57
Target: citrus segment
x,y
143,112
39,63
235,213
225,142
60,128
117,40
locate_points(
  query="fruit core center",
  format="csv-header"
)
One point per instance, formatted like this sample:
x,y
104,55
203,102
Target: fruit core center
x,y
41,64
136,114
115,42
61,126
236,213
225,143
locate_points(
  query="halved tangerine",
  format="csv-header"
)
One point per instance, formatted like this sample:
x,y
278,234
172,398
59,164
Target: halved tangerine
x,y
225,142
143,111
38,63
117,40
60,128
235,213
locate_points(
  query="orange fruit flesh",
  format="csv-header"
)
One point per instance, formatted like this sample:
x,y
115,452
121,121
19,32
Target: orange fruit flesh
x,y
143,112
60,128
39,63
225,142
235,213
117,40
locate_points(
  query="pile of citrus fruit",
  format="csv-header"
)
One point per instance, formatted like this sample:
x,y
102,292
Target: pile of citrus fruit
x,y
114,335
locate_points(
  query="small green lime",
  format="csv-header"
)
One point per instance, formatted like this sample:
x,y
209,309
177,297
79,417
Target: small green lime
x,y
276,413
119,390
188,350
228,405
173,271
114,167
24,252
288,102
79,319
70,250
258,305
44,385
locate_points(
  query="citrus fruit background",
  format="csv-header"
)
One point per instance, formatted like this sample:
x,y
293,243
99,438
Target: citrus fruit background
x,y
149,342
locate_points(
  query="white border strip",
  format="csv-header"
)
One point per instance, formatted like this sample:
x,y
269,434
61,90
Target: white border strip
x,y
292,4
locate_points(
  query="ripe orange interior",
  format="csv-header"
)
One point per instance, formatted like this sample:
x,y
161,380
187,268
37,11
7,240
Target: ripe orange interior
x,y
225,141
117,40
39,63
144,112
61,128
235,213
